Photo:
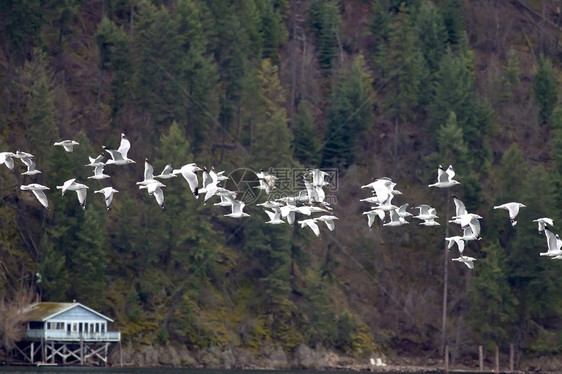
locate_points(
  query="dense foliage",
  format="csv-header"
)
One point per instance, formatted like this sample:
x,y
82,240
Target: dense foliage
x,y
363,88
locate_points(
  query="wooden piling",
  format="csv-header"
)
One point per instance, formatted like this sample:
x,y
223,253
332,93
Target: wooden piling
x,y
481,357
511,357
497,369
446,358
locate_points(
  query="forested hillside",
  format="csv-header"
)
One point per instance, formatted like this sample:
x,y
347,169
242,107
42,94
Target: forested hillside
x,y
360,88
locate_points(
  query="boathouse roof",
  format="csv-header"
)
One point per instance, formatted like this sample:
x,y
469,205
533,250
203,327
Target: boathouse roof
x,y
48,310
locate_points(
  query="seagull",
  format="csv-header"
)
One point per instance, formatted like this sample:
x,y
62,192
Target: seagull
x,y
371,214
237,208
108,195
460,209
81,190
318,177
465,219
395,219
468,261
98,173
148,174
402,212
426,212
458,240
7,158
68,145
472,231
383,188
21,154
154,188
210,181
95,161
553,243
445,178
119,155
311,223
167,173
267,181
430,222
189,171
328,220
274,217
543,222
28,161
37,190
513,209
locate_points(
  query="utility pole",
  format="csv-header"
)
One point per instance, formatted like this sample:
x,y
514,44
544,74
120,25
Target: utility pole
x,y
445,278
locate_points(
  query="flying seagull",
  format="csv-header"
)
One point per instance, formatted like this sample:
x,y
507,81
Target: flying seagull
x,y
37,190
543,222
445,178
81,190
108,195
189,171
513,209
7,158
467,260
68,145
119,155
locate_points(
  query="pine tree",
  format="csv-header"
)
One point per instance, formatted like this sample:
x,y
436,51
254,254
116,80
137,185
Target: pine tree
x,y
350,114
325,21
493,308
306,144
545,88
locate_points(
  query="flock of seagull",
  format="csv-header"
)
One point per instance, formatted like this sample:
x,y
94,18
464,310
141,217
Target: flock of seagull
x,y
310,202
383,191
307,202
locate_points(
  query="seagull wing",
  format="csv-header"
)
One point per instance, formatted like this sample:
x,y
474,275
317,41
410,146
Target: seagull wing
x,y
81,193
124,146
40,195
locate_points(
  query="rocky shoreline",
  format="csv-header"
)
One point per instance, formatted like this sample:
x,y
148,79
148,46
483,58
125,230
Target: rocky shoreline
x,y
269,358
275,358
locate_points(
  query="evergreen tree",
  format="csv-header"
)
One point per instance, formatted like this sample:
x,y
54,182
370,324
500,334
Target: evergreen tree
x,y
325,21
493,308
545,88
350,114
306,144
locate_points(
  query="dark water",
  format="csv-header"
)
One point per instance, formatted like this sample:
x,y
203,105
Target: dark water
x,y
120,370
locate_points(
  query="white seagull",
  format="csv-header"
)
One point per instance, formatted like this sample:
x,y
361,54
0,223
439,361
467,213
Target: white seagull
x,y
95,161
426,213
395,219
467,260
372,214
108,195
328,220
543,222
267,181
81,190
7,158
28,161
167,173
98,173
237,208
458,240
189,171
68,145
445,178
154,188
311,223
554,244
119,155
513,209
37,190
274,217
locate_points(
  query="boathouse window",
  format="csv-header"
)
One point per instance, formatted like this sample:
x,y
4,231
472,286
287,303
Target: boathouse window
x,y
59,326
48,325
74,327
34,325
97,327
